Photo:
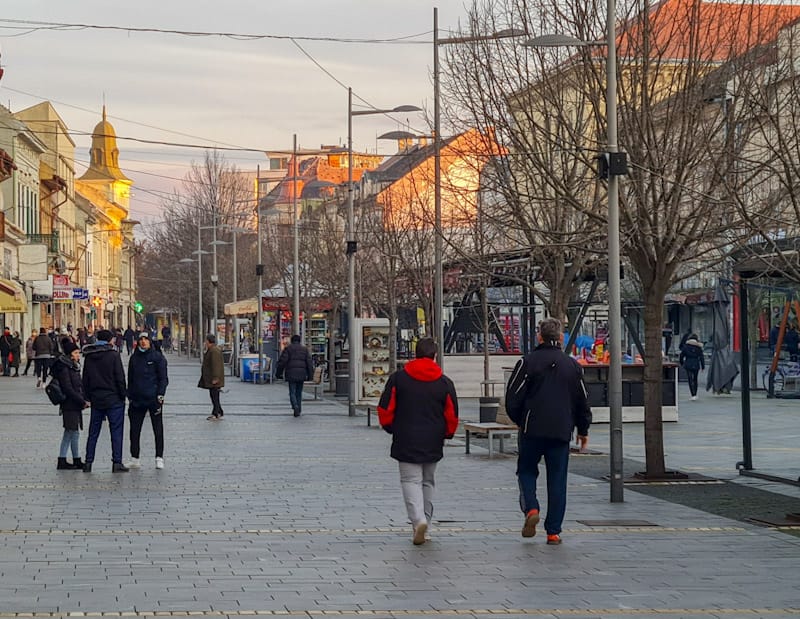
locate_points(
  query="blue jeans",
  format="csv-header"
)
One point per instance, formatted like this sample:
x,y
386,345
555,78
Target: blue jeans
x,y
116,424
296,394
70,440
556,459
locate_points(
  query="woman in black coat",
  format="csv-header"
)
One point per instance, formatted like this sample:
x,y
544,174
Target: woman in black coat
x,y
692,360
16,345
67,372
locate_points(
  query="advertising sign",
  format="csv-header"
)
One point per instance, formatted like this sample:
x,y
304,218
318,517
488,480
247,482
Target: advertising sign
x,y
62,289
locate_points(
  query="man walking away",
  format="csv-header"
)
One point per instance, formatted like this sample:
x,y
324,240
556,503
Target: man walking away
x,y
104,387
296,366
212,375
147,384
555,404
43,350
692,360
129,336
419,408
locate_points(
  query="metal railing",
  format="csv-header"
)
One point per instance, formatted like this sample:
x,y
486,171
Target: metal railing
x,y
51,240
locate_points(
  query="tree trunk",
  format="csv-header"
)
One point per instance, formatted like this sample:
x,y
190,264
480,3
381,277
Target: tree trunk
x,y
653,378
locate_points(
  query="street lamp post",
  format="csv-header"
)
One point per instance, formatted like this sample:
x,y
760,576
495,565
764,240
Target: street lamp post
x,y
352,243
438,283
187,340
295,246
616,167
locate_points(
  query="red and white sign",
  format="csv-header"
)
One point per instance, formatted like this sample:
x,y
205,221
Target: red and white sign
x,y
62,289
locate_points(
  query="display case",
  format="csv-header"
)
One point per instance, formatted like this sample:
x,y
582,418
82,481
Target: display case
x,y
317,335
371,353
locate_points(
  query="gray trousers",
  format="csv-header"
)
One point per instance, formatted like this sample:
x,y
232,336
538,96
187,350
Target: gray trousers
x,y
418,484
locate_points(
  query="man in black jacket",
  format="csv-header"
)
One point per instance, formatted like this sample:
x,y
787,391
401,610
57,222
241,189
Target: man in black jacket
x,y
419,408
296,366
556,403
104,387
147,384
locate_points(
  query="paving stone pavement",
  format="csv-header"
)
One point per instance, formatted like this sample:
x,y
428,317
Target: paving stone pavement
x,y
264,514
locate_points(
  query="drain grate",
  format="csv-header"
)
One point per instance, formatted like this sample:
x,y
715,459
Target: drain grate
x,y
618,523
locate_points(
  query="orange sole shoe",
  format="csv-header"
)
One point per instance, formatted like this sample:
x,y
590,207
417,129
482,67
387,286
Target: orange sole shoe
x,y
531,520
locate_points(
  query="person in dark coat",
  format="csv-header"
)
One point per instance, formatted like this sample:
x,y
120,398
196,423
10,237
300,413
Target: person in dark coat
x,y
43,350
5,350
104,387
419,408
13,357
212,376
296,366
792,342
147,384
693,360
29,354
129,336
555,405
67,372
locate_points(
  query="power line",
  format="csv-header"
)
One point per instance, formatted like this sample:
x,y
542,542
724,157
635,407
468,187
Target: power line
x,y
34,26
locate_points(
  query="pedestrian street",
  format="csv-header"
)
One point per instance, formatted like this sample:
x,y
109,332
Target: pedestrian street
x,y
265,514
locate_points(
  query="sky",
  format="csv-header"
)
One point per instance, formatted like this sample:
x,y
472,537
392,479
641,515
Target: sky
x,y
222,91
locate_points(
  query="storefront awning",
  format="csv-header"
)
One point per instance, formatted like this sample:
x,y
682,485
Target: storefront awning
x,y
242,308
12,297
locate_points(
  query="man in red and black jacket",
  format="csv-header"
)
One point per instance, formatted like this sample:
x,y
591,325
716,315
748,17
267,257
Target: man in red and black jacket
x,y
419,408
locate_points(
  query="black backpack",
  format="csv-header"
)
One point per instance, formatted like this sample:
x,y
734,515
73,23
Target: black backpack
x,y
517,392
54,392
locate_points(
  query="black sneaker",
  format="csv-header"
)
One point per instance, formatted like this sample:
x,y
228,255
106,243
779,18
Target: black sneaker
x,y
118,467
296,412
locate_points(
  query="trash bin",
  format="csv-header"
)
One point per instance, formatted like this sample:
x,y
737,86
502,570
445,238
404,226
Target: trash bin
x,y
342,384
489,407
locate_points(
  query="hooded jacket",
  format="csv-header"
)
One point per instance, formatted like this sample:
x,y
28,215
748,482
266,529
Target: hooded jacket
x,y
68,374
103,376
419,408
692,357
557,398
147,377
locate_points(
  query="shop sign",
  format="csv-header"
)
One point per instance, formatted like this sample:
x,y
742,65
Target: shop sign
x,y
62,289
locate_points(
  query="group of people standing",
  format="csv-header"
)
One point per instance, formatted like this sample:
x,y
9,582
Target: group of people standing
x,y
102,387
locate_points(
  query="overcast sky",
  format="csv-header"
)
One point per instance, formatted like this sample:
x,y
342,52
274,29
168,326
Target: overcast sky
x,y
247,93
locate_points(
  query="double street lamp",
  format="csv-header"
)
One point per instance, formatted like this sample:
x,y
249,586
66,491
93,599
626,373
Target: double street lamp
x,y
438,277
615,166
352,244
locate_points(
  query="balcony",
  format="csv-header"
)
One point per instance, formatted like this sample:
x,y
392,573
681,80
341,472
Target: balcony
x,y
51,240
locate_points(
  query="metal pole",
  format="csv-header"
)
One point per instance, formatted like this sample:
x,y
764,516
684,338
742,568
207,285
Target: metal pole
x,y
438,291
200,334
351,263
235,328
744,344
260,273
614,287
186,339
296,267
215,276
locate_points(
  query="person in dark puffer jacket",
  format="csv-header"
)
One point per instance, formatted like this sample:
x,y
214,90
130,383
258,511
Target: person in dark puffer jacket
x,y
419,408
296,366
67,372
147,384
104,387
556,405
693,360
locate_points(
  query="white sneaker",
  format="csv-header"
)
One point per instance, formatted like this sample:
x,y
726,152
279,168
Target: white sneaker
x,y
134,464
159,463
694,397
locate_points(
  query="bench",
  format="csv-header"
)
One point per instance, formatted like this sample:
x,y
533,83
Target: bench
x,y
490,430
315,383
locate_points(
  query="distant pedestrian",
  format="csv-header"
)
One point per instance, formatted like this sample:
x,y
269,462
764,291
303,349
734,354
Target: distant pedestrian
x,y
67,371
693,360
13,356
104,387
212,376
773,339
129,336
792,342
296,366
147,384
29,354
43,351
555,404
5,350
419,408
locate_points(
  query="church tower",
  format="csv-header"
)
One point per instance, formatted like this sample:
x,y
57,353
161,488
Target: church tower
x,y
103,173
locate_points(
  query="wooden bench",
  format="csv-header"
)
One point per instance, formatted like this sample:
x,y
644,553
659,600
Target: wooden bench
x,y
490,430
315,383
